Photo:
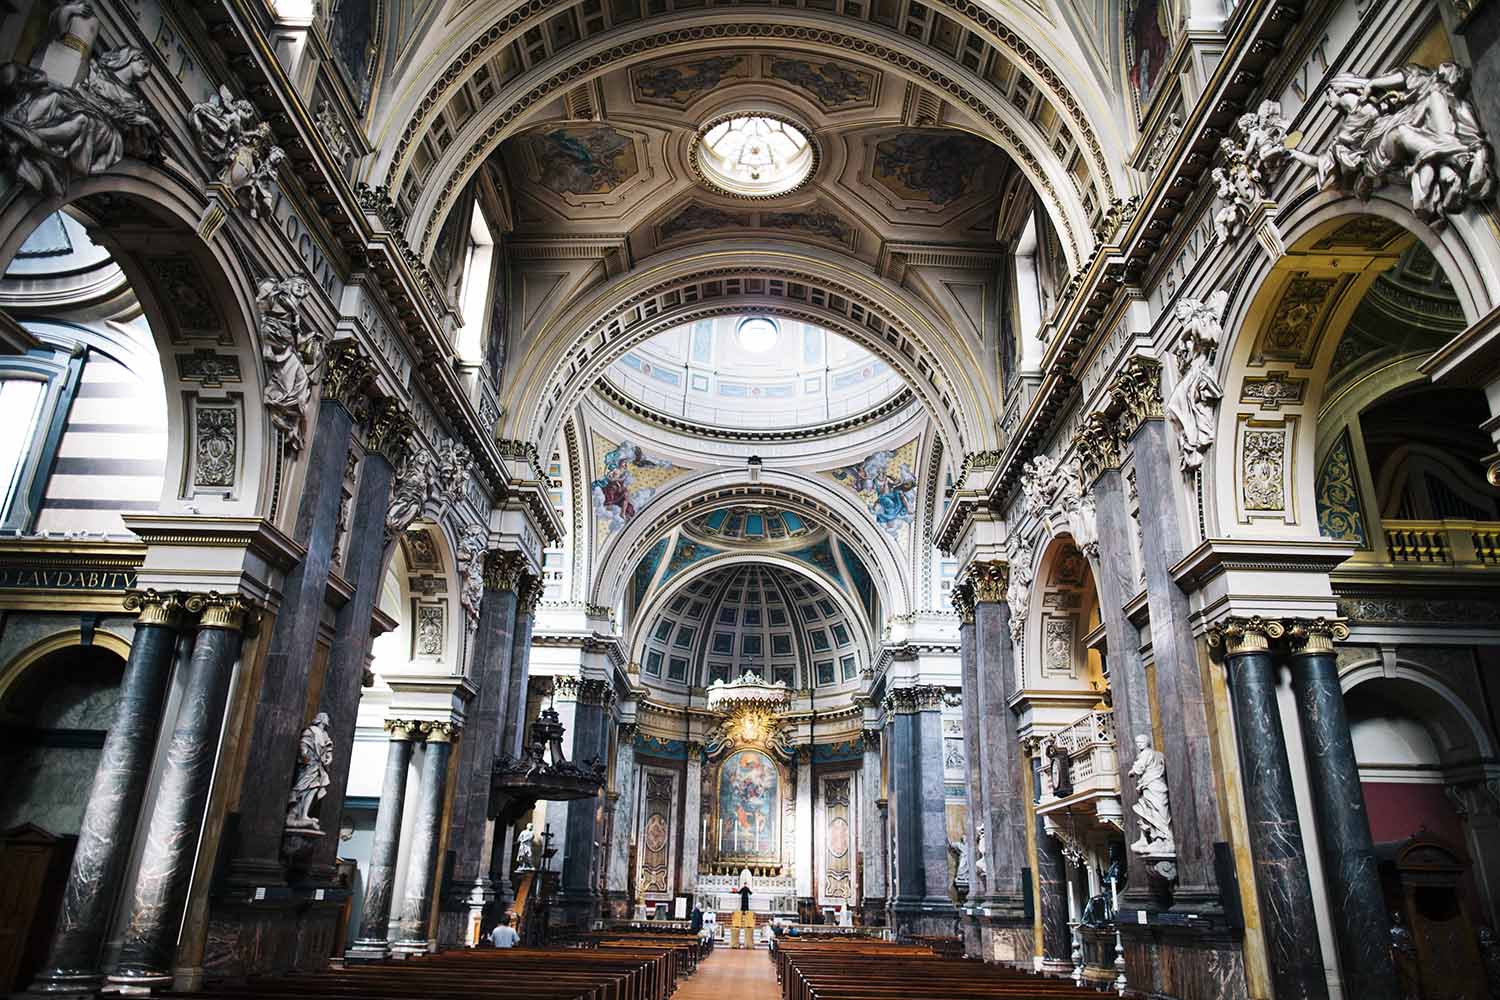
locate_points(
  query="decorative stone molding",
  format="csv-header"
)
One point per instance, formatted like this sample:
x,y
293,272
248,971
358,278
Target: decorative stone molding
x,y
225,611
1475,798
1135,394
231,135
1244,635
335,133
1251,164
167,608
403,729
1315,635
989,581
1194,405
441,732
505,571
917,698
962,597
58,134
388,430
1097,445
292,352
1412,124
870,737
346,374
1056,494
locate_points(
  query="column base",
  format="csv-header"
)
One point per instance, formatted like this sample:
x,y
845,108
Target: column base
x,y
1055,966
137,981
368,950
933,918
67,983
413,949
1203,961
1005,937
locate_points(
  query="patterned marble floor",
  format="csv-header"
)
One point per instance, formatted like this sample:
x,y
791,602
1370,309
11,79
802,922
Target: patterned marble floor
x,y
727,974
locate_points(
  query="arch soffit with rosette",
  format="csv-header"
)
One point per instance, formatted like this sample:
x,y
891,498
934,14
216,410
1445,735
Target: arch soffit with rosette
x,y
526,98
691,497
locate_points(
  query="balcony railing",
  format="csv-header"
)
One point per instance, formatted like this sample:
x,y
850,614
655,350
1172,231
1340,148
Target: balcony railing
x,y
1443,543
1093,770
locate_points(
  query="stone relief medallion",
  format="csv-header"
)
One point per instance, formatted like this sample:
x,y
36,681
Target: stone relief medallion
x,y
1263,470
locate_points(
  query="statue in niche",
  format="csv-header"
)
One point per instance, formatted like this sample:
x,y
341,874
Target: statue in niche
x,y
291,352
233,137
526,850
1150,774
314,755
1414,123
51,134
960,851
1195,398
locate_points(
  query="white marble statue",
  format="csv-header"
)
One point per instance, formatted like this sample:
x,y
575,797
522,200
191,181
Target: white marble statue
x,y
1193,405
981,865
314,755
526,849
409,493
471,551
232,136
1151,805
1414,124
960,851
292,353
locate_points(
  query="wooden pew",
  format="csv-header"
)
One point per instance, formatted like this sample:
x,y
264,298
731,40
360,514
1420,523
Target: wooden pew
x,y
855,970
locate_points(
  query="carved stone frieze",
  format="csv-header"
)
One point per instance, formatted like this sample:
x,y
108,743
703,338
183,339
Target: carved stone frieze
x,y
1263,469
1194,404
216,440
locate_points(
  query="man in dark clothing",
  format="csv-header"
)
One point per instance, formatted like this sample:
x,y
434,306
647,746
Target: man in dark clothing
x,y
697,918
744,898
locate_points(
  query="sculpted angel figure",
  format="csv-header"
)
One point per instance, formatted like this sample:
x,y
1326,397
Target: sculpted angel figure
x,y
408,495
291,351
1415,123
314,756
1195,399
472,548
233,137
1150,774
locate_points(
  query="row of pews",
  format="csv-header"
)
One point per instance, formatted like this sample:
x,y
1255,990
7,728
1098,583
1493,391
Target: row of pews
x,y
880,970
607,967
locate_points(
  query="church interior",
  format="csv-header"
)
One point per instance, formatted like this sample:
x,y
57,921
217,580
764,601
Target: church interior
x,y
801,499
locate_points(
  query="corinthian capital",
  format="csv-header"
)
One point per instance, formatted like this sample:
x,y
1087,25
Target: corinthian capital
x,y
1135,394
989,580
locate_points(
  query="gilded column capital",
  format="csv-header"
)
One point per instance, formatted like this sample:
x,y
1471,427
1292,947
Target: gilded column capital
x,y
1097,445
441,732
989,580
155,607
627,732
388,430
346,373
962,597
403,730
504,571
1233,636
216,610
530,594
871,737
1310,636
1135,394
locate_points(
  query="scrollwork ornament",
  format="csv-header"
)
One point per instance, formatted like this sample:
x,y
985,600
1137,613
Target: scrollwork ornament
x,y
223,611
1233,636
441,732
166,608
1315,635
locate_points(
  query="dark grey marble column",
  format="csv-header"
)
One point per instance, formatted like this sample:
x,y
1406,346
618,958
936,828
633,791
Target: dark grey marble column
x,y
470,830
514,721
999,745
1052,900
963,602
427,834
373,943
369,549
166,866
114,803
281,698
590,740
1117,582
905,805
872,880
1286,904
1358,908
929,759
1179,681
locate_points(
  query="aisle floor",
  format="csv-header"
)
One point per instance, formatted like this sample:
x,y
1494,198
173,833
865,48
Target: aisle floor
x,y
729,974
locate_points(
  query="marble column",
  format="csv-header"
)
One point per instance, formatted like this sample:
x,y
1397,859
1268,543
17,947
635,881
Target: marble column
x,y
928,732
369,547
373,943
963,603
692,824
579,890
282,693
514,722
114,803
166,865
1288,920
427,835
803,826
1354,898
1117,582
1004,809
617,879
1052,901
905,805
872,874
1179,681
470,830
